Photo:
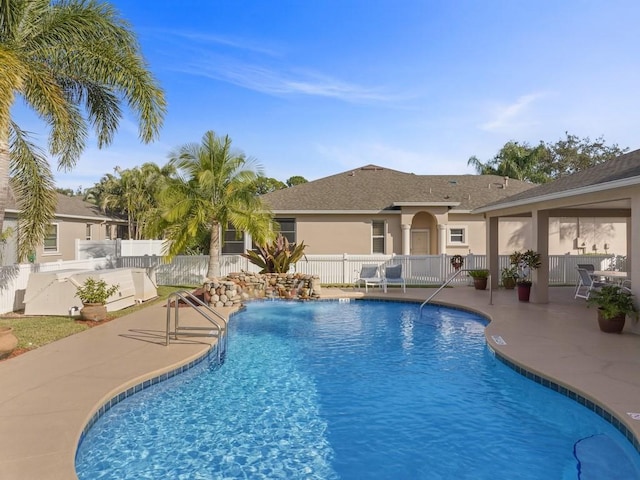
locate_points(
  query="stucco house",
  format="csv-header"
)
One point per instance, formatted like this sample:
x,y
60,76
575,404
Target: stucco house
x,y
74,219
374,209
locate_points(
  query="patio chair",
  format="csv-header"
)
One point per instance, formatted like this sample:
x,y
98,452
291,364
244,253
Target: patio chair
x,y
586,284
369,276
393,275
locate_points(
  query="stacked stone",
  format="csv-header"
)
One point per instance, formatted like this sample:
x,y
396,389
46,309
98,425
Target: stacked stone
x,y
224,293
237,287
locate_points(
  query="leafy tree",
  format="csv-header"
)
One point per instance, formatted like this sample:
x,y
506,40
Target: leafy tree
x,y
214,188
573,154
267,184
132,193
546,162
514,160
295,180
74,62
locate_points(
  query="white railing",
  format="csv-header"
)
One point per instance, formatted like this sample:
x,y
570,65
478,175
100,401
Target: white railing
x,y
332,269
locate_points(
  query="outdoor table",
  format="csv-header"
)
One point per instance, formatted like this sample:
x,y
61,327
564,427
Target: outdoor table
x,y
611,275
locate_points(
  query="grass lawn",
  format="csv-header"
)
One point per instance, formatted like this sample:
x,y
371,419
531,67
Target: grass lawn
x,y
34,332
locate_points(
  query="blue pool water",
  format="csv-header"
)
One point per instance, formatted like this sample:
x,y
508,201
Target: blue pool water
x,y
359,390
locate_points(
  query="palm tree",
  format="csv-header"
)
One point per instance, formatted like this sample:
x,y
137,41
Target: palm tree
x,y
214,188
74,62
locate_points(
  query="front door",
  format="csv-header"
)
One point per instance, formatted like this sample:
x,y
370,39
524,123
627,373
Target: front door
x,y
420,242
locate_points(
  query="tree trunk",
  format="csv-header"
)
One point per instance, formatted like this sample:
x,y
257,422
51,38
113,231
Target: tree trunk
x,y
214,252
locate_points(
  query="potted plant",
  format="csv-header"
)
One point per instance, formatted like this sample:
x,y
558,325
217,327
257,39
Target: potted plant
x,y
525,263
8,341
457,261
509,276
480,277
94,294
614,304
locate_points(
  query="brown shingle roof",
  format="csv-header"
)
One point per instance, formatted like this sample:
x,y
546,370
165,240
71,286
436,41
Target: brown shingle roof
x,y
624,167
373,188
69,206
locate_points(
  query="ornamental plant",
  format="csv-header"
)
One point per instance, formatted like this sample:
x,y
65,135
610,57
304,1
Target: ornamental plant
x,y
613,300
95,291
277,256
480,273
525,262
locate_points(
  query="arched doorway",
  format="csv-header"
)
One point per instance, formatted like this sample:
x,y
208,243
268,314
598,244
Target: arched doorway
x,y
423,227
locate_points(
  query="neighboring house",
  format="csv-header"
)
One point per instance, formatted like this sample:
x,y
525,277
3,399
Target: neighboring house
x,y
608,193
378,210
74,219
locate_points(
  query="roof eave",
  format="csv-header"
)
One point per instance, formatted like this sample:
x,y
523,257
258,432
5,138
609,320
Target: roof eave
x,y
600,187
425,204
336,212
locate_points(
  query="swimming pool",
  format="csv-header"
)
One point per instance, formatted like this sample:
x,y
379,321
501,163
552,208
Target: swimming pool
x,y
363,389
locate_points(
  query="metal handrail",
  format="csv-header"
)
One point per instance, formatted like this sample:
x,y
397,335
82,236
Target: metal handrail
x,y
194,302
450,279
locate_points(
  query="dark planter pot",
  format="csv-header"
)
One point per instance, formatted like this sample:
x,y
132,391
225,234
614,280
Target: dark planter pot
x,y
480,283
524,291
611,325
509,283
93,311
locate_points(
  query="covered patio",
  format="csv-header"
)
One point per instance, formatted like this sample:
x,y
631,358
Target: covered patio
x,y
609,190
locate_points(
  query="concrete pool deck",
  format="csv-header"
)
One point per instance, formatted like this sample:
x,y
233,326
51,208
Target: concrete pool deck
x,y
49,394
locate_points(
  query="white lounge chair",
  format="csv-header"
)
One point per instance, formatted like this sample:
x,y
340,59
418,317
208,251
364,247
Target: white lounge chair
x,y
369,276
586,284
393,276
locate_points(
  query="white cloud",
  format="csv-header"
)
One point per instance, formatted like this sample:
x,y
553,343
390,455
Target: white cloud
x,y
513,116
283,80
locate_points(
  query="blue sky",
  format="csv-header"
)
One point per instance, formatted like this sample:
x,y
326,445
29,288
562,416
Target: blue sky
x,y
314,88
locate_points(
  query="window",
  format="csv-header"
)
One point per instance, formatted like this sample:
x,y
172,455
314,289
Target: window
x,y
457,235
88,232
233,241
108,234
377,236
287,228
51,239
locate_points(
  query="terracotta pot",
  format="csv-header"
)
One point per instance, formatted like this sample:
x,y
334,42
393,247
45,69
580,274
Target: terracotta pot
x,y
93,311
524,291
480,283
611,325
509,283
8,341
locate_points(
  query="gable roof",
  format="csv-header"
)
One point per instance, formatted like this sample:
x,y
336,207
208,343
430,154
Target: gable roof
x,y
70,207
372,189
617,172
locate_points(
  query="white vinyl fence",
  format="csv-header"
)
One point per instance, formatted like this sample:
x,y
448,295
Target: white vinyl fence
x,y
343,269
117,248
332,269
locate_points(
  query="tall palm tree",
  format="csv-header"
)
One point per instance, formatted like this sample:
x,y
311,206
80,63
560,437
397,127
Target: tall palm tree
x,y
214,188
75,63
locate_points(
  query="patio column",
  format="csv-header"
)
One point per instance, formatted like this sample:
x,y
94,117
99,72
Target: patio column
x,y
540,237
442,239
406,239
491,226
